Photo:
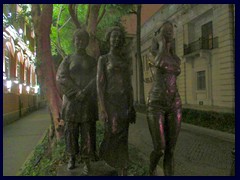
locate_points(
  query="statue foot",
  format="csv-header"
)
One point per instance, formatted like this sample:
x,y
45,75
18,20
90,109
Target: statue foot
x,y
86,169
71,163
153,172
94,157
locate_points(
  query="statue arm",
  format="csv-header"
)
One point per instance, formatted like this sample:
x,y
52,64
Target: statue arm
x,y
89,88
92,82
66,83
157,48
101,80
131,110
154,47
129,88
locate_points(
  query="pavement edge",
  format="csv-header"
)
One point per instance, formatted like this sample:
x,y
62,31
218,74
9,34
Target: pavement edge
x,y
32,153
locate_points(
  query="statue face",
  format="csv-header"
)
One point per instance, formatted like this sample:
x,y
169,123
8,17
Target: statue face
x,y
81,42
116,39
168,31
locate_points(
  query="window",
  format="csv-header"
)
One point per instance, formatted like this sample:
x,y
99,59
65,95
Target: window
x,y
201,80
31,75
25,75
18,70
207,36
6,72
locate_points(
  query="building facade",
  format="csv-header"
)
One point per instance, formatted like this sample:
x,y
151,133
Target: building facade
x,y
20,85
204,41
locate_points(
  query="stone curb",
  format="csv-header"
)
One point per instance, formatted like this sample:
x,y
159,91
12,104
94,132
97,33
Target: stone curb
x,y
210,132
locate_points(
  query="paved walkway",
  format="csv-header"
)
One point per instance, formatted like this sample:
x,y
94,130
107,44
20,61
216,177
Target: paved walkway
x,y
199,151
20,138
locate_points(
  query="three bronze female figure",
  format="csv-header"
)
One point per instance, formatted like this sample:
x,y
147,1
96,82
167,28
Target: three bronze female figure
x,y
86,82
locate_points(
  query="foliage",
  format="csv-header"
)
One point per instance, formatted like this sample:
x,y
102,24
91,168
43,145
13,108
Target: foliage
x,y
66,28
63,25
37,165
213,120
138,165
219,121
18,17
44,161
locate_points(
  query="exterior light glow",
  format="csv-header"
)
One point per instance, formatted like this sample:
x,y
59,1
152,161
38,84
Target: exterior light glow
x,y
20,88
20,31
28,89
36,89
9,85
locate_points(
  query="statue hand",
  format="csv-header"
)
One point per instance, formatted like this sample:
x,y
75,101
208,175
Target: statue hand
x,y
132,115
60,126
80,95
104,116
61,122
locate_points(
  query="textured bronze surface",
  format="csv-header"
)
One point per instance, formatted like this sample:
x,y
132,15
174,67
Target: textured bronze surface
x,y
116,102
77,78
164,113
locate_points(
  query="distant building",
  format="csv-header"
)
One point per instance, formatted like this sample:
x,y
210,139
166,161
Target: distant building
x,y
204,40
20,84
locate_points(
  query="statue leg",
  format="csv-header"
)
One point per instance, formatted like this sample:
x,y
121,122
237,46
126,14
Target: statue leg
x,y
156,128
86,146
122,172
94,156
173,124
71,138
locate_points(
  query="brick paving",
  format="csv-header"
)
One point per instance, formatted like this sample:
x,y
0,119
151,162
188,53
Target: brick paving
x,y
199,151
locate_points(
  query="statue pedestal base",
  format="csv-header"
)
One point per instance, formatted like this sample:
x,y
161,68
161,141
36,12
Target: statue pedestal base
x,y
98,168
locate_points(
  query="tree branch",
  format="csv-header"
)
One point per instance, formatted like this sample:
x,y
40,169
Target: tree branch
x,y
132,12
87,15
102,14
58,19
64,24
72,11
36,13
59,49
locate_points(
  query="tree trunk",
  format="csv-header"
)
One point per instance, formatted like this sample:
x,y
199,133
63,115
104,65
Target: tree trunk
x,y
42,20
93,47
139,59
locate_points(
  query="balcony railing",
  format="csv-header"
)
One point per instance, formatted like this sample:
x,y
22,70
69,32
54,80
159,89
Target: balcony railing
x,y
201,44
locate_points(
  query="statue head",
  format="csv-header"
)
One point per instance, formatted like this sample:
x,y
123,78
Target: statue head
x,y
167,30
115,36
80,39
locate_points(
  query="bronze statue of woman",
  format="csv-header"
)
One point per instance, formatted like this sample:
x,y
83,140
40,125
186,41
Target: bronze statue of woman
x,y
115,96
77,78
164,112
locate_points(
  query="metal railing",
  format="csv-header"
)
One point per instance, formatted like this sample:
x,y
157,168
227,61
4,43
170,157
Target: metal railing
x,y
201,43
